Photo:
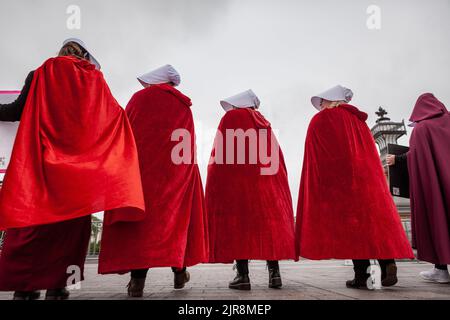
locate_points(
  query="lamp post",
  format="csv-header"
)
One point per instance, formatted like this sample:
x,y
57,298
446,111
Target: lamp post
x,y
386,132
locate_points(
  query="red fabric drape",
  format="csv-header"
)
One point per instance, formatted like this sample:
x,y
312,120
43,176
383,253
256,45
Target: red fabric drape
x,y
74,153
250,214
174,233
345,210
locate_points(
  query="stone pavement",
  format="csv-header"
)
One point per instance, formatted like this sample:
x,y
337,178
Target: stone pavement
x,y
303,280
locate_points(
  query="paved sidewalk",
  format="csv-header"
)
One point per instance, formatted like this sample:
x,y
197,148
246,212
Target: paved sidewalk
x,y
303,280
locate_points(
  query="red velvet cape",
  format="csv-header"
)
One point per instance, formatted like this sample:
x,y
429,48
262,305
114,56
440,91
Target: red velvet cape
x,y
250,214
74,153
174,233
429,171
345,210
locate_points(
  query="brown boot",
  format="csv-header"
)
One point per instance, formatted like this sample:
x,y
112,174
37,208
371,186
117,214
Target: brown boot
x,y
57,294
389,277
136,287
180,278
27,295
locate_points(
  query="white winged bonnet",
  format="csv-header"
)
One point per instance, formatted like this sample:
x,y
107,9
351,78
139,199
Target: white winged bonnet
x,y
246,99
164,74
90,57
337,93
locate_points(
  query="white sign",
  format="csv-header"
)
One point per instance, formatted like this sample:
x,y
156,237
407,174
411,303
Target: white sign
x,y
8,132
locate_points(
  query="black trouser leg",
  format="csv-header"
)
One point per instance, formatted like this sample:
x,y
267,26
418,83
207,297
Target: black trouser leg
x,y
242,266
178,270
139,274
360,267
273,265
441,267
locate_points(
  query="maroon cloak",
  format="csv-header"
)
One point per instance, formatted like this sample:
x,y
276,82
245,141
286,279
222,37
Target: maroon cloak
x,y
250,214
37,258
345,210
174,232
429,171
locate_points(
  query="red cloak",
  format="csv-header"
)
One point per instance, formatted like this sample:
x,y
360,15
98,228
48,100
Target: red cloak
x,y
74,153
174,232
429,171
345,210
250,214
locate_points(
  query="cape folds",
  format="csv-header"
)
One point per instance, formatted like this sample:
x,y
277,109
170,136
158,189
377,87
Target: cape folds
x,y
345,210
250,214
429,171
174,232
74,153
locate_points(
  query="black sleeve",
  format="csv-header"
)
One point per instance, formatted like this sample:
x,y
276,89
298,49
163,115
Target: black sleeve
x,y
13,111
401,160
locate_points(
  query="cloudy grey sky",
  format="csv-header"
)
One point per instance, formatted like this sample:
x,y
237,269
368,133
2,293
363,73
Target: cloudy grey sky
x,y
285,50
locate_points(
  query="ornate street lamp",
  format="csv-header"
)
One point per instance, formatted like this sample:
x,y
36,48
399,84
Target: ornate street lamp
x,y
387,132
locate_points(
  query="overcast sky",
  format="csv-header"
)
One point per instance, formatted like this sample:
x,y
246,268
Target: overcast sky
x,y
285,50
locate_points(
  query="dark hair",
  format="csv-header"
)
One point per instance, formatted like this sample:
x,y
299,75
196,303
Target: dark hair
x,y
72,49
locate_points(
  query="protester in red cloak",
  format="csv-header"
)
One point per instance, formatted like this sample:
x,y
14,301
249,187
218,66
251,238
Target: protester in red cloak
x,y
429,175
174,232
74,155
248,198
345,210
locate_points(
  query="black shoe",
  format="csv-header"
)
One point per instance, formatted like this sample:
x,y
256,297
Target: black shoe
x,y
389,277
27,295
274,275
57,294
136,287
242,280
359,282
180,278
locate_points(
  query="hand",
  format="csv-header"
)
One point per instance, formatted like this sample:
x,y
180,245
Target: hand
x,y
390,160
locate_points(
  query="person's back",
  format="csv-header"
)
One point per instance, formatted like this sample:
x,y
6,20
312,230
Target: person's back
x,y
428,167
174,232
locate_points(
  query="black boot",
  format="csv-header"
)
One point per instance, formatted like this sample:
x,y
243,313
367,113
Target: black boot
x,y
361,275
241,281
57,294
180,278
135,287
274,275
27,295
388,272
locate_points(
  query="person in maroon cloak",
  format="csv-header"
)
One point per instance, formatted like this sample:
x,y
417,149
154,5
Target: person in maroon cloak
x,y
429,174
174,232
46,200
247,194
345,210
